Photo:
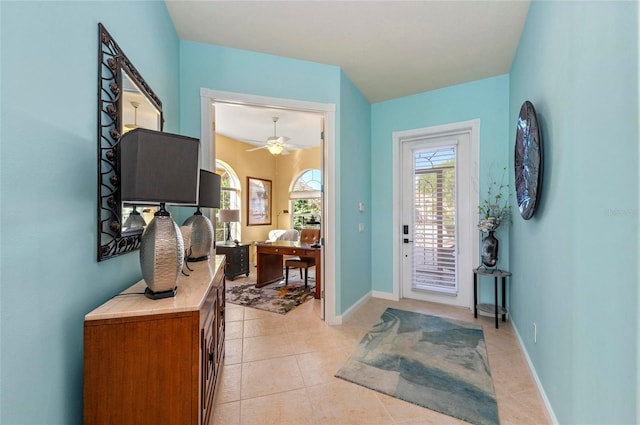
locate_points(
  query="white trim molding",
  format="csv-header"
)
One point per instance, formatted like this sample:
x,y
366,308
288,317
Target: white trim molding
x,y
532,369
351,310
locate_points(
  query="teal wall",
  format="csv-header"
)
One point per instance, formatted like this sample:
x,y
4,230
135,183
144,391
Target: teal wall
x,y
575,263
486,100
232,70
50,276
220,68
355,186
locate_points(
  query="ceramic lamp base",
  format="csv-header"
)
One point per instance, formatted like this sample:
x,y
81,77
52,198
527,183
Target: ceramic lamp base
x,y
201,237
161,254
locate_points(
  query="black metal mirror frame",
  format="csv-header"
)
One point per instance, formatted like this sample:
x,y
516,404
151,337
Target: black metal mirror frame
x,y
111,63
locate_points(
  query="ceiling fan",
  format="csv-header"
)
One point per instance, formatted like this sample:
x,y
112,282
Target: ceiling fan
x,y
276,145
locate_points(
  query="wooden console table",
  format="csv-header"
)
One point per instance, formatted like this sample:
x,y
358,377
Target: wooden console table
x,y
157,361
270,261
490,308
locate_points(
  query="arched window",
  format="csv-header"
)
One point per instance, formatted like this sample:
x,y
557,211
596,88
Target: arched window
x,y
306,202
229,199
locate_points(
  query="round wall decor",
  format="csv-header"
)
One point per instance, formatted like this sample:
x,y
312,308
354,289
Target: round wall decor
x,y
528,161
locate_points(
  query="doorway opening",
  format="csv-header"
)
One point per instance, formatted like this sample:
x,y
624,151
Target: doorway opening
x,y
211,98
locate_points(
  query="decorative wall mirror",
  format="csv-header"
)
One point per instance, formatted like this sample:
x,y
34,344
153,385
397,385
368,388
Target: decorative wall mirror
x,y
125,101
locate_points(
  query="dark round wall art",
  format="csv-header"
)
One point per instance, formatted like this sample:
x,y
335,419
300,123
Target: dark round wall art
x,y
528,161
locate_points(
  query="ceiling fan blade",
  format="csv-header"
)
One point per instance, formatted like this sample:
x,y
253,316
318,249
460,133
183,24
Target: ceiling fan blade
x,y
278,139
255,149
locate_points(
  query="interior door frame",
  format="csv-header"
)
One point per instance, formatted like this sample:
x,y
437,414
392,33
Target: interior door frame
x,y
471,126
208,99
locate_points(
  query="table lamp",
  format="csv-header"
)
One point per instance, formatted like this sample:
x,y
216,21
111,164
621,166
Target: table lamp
x,y
229,216
201,227
159,168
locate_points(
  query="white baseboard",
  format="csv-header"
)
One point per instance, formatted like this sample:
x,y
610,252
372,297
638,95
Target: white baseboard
x,y
547,404
344,316
384,295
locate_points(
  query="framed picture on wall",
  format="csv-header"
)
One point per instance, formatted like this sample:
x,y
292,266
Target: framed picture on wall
x,y
258,201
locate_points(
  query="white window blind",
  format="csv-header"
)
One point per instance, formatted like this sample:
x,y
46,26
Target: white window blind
x,y
434,236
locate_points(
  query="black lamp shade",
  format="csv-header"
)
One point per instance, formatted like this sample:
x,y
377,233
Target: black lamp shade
x,y
209,192
158,167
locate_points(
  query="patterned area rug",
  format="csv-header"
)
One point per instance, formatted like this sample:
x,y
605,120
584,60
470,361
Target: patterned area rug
x,y
437,363
274,298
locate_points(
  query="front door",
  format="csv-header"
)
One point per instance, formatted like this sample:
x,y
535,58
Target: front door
x,y
437,218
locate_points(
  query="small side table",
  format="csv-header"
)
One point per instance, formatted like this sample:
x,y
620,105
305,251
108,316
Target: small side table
x,y
490,308
237,259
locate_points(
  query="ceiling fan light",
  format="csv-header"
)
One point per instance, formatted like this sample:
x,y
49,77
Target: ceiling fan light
x,y
275,149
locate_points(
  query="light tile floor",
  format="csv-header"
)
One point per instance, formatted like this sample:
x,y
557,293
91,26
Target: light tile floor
x,y
279,370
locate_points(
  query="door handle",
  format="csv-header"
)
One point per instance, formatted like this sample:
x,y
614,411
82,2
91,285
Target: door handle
x,y
406,240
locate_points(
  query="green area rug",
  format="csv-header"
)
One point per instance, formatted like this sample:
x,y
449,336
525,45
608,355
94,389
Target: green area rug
x,y
437,363
271,297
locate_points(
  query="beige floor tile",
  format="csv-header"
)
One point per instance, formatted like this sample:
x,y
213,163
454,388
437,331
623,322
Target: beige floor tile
x,y
524,408
233,351
226,414
348,337
254,313
309,322
320,367
233,314
264,326
286,408
266,347
405,413
507,382
312,340
507,359
270,376
290,359
499,339
228,389
344,403
234,330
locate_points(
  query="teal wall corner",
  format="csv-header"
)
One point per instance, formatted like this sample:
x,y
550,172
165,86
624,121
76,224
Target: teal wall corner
x,y
486,100
355,188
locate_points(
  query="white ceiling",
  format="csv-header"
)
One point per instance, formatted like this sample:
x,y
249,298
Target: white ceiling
x,y
388,48
254,125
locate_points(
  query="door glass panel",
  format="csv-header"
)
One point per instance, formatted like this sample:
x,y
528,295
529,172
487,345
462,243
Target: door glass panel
x,y
434,233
